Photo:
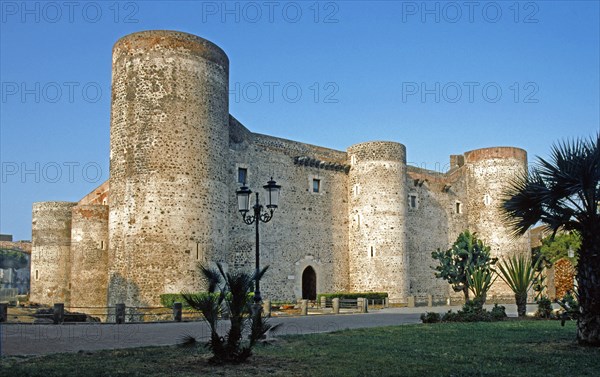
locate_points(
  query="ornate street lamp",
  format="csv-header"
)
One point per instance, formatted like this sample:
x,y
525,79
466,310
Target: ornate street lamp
x,y
243,198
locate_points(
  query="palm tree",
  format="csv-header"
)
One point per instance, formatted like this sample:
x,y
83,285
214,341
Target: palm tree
x,y
229,290
519,273
563,193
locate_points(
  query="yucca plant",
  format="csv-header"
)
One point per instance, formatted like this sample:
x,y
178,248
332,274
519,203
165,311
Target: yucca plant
x,y
519,273
480,281
229,291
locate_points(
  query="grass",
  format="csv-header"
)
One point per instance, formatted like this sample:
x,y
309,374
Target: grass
x,y
509,348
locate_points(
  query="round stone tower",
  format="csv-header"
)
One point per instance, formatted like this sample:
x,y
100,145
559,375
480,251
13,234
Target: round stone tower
x,y
378,259
89,256
168,145
50,252
489,171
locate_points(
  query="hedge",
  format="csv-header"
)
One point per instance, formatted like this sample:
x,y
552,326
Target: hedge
x,y
354,295
168,299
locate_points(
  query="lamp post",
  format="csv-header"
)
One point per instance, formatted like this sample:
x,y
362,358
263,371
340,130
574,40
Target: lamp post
x,y
243,198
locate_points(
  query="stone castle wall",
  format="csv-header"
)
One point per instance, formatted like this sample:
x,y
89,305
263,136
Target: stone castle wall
x,y
88,281
308,230
170,203
434,222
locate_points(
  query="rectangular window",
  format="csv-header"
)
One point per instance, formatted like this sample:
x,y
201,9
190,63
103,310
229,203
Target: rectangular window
x,y
412,201
316,185
458,207
37,275
242,175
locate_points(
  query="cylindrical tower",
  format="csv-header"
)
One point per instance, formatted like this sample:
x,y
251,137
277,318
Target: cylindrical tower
x,y
168,145
489,171
89,257
50,252
378,259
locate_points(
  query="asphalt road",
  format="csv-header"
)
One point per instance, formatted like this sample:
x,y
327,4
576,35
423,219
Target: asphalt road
x,y
30,339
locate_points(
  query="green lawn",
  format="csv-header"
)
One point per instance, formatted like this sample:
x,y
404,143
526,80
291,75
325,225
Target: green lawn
x,y
510,348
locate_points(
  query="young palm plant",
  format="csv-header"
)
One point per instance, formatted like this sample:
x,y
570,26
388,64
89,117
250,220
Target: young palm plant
x,y
229,291
480,280
519,273
563,192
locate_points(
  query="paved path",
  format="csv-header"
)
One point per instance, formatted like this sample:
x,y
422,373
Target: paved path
x,y
29,339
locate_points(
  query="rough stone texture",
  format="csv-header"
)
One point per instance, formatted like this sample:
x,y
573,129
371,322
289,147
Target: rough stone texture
x,y
310,229
50,252
89,256
174,160
377,216
433,224
169,134
489,171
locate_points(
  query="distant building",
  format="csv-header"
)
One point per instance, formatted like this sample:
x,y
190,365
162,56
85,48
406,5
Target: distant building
x,y
11,277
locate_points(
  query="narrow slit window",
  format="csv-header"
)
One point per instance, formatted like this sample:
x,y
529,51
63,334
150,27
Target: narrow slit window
x,y
101,245
316,185
372,252
458,207
197,251
37,275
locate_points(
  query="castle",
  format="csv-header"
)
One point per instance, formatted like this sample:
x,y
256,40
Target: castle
x,y
356,220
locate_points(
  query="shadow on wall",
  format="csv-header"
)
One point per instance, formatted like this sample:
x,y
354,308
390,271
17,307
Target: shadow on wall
x,y
123,291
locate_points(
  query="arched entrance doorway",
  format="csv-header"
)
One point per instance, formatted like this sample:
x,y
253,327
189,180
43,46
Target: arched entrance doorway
x,y
309,284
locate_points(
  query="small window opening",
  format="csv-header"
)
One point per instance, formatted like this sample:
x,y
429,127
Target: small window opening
x,y
356,190
372,253
37,275
487,199
458,207
316,185
353,160
101,245
197,251
412,201
358,221
242,175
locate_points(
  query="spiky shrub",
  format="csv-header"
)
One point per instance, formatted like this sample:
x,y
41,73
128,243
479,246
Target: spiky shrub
x,y
229,292
480,281
519,273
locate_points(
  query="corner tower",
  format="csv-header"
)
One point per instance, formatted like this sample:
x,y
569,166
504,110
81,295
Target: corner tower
x,y
489,171
378,258
168,147
50,252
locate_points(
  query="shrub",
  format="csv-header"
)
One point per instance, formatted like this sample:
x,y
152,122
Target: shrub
x,y
473,311
544,308
570,308
498,312
431,317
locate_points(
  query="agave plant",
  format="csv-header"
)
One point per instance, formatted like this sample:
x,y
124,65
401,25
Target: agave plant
x,y
230,292
480,280
519,273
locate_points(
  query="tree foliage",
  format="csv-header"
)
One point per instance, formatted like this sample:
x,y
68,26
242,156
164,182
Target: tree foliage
x,y
457,264
563,192
12,258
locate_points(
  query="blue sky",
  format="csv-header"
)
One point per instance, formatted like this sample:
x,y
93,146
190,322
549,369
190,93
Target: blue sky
x,y
440,77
